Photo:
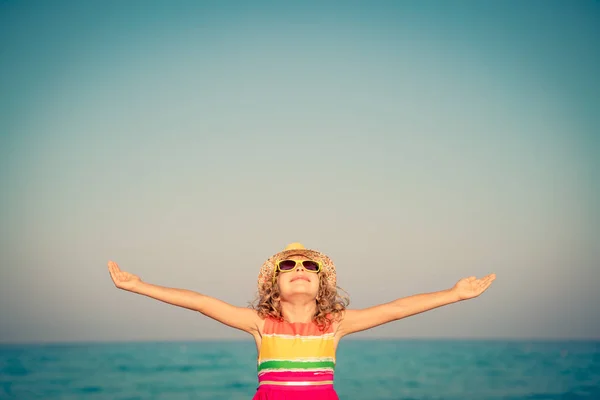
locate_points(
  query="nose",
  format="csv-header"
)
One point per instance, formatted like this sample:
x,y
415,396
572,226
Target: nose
x,y
300,267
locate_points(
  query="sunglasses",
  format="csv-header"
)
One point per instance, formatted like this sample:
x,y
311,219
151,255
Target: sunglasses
x,y
290,265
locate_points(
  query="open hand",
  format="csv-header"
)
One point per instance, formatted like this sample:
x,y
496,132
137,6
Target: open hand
x,y
123,280
468,288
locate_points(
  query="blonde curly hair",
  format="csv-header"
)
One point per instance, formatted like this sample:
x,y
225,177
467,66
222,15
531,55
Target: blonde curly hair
x,y
330,304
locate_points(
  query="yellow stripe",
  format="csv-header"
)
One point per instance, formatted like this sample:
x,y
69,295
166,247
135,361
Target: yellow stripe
x,y
290,349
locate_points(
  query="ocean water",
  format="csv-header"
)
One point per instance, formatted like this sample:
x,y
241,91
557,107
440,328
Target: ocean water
x,y
366,369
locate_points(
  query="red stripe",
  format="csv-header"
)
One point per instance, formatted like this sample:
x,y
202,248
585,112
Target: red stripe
x,y
294,328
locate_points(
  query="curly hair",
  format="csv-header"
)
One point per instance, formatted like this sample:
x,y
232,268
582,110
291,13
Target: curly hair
x,y
330,304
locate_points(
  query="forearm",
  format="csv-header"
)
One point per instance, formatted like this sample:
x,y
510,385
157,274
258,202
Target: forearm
x,y
419,303
359,320
245,319
237,317
178,297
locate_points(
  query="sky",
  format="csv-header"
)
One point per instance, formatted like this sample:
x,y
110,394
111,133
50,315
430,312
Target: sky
x,y
414,142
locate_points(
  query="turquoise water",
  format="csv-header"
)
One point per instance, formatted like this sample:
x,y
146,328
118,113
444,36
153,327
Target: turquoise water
x,y
374,370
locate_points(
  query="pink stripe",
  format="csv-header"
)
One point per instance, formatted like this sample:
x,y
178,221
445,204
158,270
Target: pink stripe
x,y
296,376
287,392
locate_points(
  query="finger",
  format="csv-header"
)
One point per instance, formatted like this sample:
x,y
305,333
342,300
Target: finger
x,y
111,268
482,284
484,287
115,269
471,278
118,270
115,272
114,276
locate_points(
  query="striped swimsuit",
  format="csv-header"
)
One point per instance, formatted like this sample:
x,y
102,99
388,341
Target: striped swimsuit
x,y
295,361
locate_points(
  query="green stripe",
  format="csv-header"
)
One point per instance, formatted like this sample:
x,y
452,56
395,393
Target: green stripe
x,y
296,365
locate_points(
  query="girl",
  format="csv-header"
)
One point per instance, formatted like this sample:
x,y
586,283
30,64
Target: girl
x,y
299,318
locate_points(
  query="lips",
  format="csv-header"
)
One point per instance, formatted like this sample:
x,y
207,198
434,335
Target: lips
x,y
300,277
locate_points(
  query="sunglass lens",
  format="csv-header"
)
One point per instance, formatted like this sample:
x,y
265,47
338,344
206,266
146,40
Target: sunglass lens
x,y
287,265
310,265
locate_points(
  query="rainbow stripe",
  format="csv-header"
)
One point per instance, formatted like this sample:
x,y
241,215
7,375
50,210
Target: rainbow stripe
x,y
295,354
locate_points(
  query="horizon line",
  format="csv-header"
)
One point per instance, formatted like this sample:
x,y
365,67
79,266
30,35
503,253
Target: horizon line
x,y
356,339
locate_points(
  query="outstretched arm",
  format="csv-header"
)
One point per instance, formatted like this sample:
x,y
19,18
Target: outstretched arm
x,y
241,318
360,320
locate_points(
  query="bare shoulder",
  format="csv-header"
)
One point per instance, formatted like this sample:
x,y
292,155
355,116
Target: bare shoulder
x,y
242,318
251,315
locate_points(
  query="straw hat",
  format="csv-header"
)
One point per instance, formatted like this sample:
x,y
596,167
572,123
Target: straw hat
x,y
297,249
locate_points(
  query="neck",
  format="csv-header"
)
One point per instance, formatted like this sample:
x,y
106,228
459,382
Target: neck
x,y
298,311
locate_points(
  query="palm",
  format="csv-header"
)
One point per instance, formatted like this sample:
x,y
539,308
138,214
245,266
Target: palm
x,y
468,288
121,279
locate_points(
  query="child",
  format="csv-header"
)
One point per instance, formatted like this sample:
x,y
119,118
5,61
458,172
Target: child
x,y
299,318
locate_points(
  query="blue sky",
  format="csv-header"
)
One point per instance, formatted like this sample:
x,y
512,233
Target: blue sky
x,y
414,142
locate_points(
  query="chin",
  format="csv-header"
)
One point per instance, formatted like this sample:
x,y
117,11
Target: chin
x,y
291,291
299,287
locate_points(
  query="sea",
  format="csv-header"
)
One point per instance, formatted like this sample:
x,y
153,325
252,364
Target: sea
x,y
366,369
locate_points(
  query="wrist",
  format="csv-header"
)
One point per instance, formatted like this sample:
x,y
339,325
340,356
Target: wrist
x,y
453,295
136,287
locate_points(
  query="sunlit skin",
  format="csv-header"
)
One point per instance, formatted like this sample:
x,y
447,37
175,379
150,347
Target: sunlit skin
x,y
299,290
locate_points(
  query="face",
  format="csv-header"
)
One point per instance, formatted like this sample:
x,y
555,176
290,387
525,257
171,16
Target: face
x,y
298,282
